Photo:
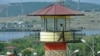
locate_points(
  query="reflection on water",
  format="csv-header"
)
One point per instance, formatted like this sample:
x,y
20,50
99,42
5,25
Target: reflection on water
x,y
4,36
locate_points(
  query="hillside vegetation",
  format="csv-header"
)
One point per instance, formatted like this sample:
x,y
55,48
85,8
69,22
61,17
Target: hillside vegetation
x,y
13,12
15,9
28,41
90,21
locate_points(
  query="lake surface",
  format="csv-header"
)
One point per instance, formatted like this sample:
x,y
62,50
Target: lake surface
x,y
4,36
91,32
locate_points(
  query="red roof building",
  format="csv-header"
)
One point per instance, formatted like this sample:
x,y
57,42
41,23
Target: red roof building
x,y
10,47
56,10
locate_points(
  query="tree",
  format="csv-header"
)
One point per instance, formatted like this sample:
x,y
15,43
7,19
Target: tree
x,y
2,47
27,52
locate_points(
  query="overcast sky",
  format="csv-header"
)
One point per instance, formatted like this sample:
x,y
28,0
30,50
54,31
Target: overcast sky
x,y
11,1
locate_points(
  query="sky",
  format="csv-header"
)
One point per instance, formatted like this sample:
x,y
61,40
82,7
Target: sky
x,y
89,1
11,1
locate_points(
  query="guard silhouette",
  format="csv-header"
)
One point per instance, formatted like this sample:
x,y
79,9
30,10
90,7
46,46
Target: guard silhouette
x,y
62,33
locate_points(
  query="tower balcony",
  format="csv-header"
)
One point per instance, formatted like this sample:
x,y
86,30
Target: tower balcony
x,y
69,36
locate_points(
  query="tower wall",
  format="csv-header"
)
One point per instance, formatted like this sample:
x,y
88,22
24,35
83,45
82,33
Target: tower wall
x,y
54,36
55,49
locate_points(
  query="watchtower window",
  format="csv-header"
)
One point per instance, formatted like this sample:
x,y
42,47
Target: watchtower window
x,y
47,24
43,25
60,21
53,24
50,25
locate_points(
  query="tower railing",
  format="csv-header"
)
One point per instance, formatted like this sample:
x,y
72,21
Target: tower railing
x,y
51,36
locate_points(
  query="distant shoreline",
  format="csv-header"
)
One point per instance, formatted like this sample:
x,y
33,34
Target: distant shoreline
x,y
18,30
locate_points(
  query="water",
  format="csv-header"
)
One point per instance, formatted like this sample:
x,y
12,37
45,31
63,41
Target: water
x,y
4,36
91,32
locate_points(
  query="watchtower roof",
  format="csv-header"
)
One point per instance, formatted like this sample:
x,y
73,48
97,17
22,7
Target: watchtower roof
x,y
56,10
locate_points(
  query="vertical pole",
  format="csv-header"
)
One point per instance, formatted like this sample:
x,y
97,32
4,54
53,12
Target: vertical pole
x,y
46,24
22,7
69,24
7,12
55,24
78,5
93,45
55,21
42,22
45,28
65,24
68,51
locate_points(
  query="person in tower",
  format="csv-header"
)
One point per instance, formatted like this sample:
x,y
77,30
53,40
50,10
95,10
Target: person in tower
x,y
62,33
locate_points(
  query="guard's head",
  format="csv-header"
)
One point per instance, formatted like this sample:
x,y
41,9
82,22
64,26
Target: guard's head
x,y
61,24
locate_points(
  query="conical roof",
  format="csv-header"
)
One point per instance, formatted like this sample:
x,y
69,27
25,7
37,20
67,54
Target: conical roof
x,y
56,10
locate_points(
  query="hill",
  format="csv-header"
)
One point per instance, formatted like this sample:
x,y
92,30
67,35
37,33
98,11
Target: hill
x,y
15,9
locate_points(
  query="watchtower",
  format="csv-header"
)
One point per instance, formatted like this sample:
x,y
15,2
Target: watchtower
x,y
51,18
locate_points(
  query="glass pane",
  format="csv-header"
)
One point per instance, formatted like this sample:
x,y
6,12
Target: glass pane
x,y
60,21
42,25
50,24
67,24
